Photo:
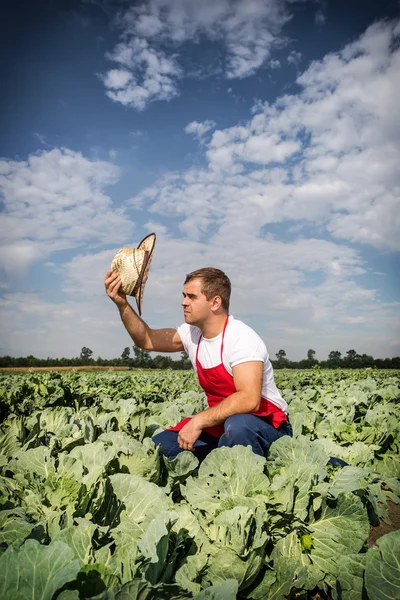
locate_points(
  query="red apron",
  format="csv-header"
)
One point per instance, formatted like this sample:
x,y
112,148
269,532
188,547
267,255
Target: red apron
x,y
218,384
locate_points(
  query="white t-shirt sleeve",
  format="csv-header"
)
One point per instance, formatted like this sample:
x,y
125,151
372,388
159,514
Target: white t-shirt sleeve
x,y
247,346
184,333
189,336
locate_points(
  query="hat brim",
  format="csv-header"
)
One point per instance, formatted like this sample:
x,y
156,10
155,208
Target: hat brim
x,y
147,245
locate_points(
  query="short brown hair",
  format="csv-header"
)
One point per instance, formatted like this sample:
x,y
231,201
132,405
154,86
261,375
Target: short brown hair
x,y
215,283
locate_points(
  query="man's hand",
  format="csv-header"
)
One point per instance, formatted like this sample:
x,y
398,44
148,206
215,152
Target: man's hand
x,y
112,284
188,435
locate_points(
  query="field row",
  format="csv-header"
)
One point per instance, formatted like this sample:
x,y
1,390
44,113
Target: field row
x,y
89,508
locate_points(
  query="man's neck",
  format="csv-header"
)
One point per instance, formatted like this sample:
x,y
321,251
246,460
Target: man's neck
x,y
214,326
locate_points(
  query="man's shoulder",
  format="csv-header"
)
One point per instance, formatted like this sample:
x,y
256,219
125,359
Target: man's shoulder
x,y
188,333
243,343
241,332
239,327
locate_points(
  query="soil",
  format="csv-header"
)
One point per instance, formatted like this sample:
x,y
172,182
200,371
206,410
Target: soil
x,y
377,532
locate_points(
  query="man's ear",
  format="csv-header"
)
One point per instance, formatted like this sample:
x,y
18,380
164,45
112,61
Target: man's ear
x,y
216,303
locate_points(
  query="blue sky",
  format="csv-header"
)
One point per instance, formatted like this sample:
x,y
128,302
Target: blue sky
x,y
260,137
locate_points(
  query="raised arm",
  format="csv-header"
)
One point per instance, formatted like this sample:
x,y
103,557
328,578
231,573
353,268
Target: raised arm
x,y
157,340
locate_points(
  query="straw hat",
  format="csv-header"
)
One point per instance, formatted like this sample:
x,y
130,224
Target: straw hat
x,y
133,266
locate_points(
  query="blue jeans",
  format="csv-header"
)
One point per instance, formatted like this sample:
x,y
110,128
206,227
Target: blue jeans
x,y
242,429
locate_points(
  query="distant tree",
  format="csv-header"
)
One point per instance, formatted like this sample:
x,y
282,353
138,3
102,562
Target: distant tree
x,y
334,359
311,355
311,360
366,361
142,357
31,361
395,362
351,359
185,361
126,353
161,361
86,353
282,361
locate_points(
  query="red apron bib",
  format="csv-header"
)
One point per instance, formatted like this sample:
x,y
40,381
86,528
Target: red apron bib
x,y
218,384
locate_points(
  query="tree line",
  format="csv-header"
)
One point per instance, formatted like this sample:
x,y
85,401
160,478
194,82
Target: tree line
x,y
335,360
140,358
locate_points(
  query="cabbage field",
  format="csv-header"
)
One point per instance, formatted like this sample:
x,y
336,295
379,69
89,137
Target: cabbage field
x,y
89,509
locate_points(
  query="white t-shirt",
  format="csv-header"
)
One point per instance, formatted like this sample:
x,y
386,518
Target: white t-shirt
x,y
241,344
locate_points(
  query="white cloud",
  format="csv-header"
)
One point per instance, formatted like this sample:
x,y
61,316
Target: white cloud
x,y
270,283
274,64
294,58
17,256
152,31
55,201
273,282
199,129
320,17
327,156
152,75
41,327
319,164
117,79
41,138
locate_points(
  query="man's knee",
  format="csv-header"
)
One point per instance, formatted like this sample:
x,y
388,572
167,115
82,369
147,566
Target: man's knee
x,y
168,442
238,430
249,430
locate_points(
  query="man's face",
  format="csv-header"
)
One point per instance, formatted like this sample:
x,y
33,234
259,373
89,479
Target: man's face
x,y
196,307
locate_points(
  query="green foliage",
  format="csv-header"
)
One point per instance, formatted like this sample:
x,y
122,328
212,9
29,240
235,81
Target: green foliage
x,y
89,508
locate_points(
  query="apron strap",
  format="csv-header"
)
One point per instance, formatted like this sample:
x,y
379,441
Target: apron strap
x,y
222,343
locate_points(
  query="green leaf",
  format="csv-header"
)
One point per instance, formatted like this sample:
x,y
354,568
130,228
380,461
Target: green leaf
x,y
290,547
11,436
36,571
14,526
154,546
120,441
142,501
240,528
306,542
141,590
351,577
220,591
382,568
285,569
341,529
79,538
68,595
228,477
36,460
187,575
348,479
95,458
143,460
180,468
299,465
226,564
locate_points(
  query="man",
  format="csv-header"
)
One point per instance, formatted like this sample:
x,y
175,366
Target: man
x,y
232,364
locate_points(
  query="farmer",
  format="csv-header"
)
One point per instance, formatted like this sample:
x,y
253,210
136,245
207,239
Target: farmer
x,y
232,364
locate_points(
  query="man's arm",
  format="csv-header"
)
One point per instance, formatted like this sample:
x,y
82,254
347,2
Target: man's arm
x,y
248,378
157,340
